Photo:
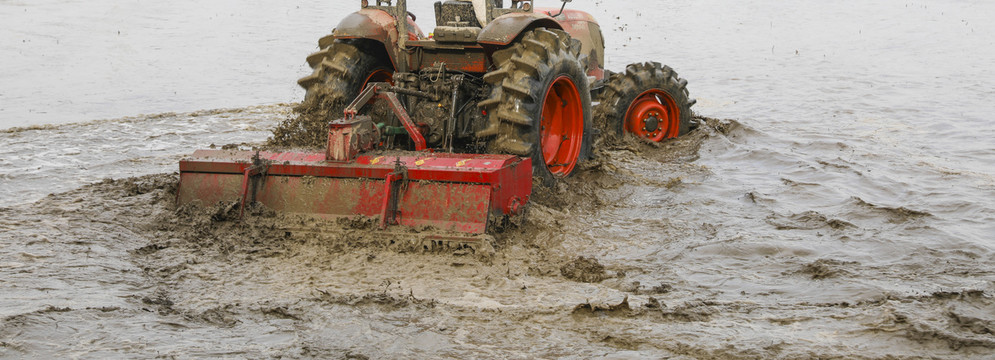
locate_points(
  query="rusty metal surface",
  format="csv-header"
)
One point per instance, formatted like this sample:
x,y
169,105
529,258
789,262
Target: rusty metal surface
x,y
504,30
584,27
402,114
451,192
447,13
457,34
387,92
378,25
367,24
464,207
470,58
348,137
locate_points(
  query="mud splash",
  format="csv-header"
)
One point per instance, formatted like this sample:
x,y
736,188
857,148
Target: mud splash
x,y
206,280
307,126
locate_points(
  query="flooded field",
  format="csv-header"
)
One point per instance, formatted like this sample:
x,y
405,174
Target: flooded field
x,y
837,202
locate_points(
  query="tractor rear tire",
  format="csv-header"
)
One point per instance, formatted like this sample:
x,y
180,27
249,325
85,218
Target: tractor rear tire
x,y
649,101
540,103
342,68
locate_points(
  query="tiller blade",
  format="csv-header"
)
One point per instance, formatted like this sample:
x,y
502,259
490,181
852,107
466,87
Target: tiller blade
x,y
449,192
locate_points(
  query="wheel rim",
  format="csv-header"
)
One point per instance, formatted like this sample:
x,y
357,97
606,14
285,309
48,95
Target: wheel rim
x,y
379,75
653,115
562,126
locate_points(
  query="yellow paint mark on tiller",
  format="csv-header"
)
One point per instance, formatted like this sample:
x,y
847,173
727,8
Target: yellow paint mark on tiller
x,y
421,162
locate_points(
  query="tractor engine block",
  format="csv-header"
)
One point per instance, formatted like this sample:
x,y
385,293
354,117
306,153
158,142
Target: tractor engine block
x,y
431,116
448,116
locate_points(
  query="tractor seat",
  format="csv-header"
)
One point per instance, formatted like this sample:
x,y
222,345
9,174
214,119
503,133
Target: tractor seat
x,y
460,21
455,13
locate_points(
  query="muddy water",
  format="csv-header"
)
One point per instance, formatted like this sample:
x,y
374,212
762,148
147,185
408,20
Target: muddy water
x,y
39,160
846,210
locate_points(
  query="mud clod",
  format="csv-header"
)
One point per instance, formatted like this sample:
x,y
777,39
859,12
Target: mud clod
x,y
221,316
307,127
149,249
657,290
56,309
157,300
281,312
827,268
621,308
692,311
584,269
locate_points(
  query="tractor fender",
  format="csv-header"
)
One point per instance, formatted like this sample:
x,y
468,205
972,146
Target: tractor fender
x,y
367,24
580,25
503,30
584,27
373,24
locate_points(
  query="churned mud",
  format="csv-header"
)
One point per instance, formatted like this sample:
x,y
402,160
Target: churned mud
x,y
307,125
126,270
847,212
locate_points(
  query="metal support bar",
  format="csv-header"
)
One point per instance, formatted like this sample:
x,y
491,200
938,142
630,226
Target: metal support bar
x,y
257,168
402,114
385,91
409,92
562,8
393,186
401,19
451,125
361,100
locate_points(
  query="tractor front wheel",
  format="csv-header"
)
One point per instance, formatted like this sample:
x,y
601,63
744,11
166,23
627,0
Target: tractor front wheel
x,y
649,101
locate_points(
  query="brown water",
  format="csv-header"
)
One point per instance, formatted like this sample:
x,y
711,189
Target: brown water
x,y
848,210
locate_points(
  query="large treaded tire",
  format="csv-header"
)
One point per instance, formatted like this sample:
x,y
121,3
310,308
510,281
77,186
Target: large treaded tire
x,y
526,73
623,89
340,71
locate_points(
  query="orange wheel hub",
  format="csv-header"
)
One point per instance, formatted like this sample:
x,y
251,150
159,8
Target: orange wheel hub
x,y
562,126
653,115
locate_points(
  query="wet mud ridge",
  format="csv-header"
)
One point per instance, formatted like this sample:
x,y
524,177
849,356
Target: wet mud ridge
x,y
124,270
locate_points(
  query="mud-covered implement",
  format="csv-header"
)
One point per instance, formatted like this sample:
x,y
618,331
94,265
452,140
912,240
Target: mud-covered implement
x,y
498,77
450,192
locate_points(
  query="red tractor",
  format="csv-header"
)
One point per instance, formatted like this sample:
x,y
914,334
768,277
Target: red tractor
x,y
514,82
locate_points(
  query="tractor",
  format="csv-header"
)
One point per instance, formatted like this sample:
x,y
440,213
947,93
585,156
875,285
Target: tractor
x,y
493,96
517,80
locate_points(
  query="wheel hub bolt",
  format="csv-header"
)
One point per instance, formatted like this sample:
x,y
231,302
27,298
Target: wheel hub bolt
x,y
651,124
